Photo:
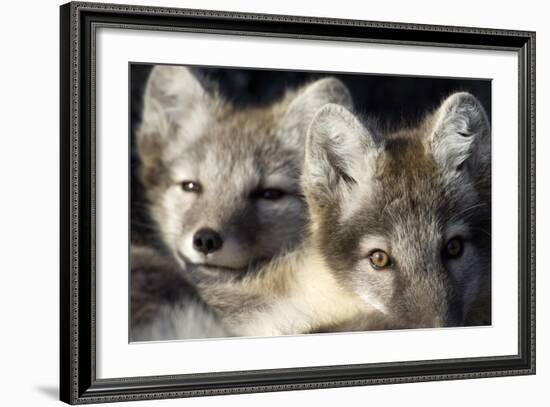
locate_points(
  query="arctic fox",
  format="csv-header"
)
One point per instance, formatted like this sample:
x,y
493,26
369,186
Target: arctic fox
x,y
399,231
222,181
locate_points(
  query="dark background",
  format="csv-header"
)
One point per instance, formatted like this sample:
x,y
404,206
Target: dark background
x,y
393,100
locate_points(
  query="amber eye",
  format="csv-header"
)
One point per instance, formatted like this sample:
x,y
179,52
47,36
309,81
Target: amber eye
x,y
379,259
271,194
454,247
191,186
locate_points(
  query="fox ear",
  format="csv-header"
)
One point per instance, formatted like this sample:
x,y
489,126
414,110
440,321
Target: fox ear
x,y
308,101
173,92
173,95
461,133
338,155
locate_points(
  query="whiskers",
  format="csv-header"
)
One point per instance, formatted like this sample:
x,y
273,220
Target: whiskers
x,y
484,231
469,209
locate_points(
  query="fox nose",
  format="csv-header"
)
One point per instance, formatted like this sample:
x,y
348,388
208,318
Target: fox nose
x,y
207,241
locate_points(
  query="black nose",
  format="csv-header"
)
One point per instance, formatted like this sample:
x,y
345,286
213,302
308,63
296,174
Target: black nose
x,y
207,241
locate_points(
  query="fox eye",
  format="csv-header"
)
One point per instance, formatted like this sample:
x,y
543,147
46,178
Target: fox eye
x,y
191,186
379,259
454,247
271,194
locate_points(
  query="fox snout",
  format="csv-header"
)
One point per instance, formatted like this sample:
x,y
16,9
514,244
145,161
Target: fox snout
x,y
207,241
215,247
438,309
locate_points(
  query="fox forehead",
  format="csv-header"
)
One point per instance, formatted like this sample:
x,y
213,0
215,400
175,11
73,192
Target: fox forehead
x,y
232,124
405,163
409,196
212,163
240,154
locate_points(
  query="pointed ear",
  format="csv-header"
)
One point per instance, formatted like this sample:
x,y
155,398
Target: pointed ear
x,y
174,90
173,99
339,155
461,133
308,101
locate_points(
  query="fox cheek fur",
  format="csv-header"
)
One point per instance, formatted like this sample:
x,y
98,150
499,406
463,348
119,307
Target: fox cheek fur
x,y
229,154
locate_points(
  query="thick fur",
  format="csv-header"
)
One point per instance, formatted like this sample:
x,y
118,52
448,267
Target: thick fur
x,y
295,293
163,305
407,193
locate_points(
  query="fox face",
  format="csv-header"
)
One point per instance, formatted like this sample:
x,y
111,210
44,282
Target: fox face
x,y
403,219
222,181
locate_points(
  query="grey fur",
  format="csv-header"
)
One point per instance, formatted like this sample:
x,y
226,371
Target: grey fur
x,y
163,305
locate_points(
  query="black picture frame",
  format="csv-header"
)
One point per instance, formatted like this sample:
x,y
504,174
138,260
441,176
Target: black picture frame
x,y
78,382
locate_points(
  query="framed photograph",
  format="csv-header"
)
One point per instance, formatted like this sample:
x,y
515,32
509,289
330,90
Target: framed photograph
x,y
255,203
